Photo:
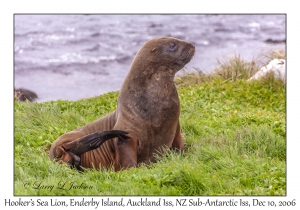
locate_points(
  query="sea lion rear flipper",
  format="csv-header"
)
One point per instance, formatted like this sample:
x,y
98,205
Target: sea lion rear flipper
x,y
92,141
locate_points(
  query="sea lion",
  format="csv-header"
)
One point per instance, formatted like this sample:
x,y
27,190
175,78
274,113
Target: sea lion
x,y
146,118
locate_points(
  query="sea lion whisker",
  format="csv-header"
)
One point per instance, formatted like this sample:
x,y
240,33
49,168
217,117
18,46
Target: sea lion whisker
x,y
178,60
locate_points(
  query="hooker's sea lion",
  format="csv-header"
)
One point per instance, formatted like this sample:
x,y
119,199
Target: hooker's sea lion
x,y
146,118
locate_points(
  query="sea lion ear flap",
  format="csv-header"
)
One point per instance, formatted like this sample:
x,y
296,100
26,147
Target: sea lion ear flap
x,y
92,141
153,49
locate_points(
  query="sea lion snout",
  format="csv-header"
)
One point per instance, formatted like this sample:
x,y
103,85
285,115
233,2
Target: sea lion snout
x,y
190,51
184,55
192,48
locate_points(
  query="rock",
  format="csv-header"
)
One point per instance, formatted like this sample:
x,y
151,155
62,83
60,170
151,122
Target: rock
x,y
277,66
275,41
22,94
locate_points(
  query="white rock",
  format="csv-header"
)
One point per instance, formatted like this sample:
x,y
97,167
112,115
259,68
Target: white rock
x,y
277,66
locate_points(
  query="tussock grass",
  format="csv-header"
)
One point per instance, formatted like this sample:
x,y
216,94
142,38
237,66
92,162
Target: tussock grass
x,y
266,56
236,68
234,133
231,68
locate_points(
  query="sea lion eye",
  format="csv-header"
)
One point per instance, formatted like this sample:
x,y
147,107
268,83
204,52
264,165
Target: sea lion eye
x,y
171,47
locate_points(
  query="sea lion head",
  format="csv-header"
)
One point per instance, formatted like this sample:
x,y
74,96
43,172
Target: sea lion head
x,y
166,53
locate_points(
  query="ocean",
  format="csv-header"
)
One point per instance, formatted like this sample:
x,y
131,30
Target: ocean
x,y
71,57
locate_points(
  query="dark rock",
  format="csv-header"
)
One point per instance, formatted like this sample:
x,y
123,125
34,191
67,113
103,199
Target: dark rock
x,y
22,94
275,41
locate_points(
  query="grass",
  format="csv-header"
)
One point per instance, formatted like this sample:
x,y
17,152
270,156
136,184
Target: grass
x,y
234,132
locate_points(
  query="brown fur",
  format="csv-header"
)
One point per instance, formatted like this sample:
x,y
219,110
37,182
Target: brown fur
x,y
148,110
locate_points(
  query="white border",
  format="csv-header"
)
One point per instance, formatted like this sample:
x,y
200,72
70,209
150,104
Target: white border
x,y
8,8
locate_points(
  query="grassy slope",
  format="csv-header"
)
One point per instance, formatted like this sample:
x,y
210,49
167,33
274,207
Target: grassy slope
x,y
234,133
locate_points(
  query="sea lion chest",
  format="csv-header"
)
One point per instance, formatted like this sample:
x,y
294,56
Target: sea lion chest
x,y
153,103
151,113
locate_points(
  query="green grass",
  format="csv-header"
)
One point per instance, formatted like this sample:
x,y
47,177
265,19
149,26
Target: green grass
x,y
234,133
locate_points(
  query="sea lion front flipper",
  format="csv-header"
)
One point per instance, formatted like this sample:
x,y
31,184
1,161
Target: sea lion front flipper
x,y
92,141
177,143
70,158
